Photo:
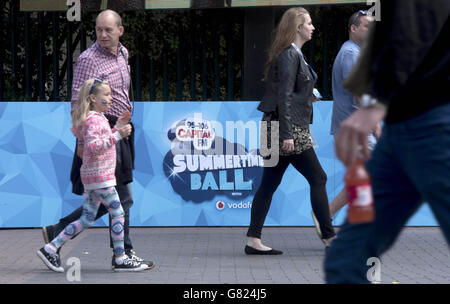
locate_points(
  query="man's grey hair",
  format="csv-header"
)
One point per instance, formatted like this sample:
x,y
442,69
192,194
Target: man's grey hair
x,y
113,13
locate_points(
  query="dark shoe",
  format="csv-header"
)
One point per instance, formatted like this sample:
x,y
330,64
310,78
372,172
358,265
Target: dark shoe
x,y
128,264
132,254
48,232
51,260
251,250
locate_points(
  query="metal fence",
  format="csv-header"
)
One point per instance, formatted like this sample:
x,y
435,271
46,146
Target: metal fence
x,y
174,55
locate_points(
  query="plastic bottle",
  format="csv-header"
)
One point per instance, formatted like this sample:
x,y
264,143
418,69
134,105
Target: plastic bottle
x,y
359,193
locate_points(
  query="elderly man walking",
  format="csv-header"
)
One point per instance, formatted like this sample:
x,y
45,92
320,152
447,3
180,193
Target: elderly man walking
x,y
106,59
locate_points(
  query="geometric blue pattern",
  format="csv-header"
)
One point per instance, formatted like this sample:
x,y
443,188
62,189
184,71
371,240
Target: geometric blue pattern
x,y
117,228
115,204
36,151
70,230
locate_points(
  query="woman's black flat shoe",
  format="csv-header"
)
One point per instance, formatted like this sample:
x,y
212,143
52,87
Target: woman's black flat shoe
x,y
251,250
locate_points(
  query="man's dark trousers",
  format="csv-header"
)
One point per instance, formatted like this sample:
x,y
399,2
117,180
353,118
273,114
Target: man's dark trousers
x,y
409,166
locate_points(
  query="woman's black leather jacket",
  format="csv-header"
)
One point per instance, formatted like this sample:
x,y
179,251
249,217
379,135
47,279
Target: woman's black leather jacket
x,y
289,92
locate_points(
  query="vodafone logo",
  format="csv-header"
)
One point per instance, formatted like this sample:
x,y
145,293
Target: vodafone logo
x,y
220,205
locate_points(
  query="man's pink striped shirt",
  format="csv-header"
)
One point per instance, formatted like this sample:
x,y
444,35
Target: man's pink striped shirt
x,y
97,62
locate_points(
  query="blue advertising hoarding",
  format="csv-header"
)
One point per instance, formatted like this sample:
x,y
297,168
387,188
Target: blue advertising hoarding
x,y
197,164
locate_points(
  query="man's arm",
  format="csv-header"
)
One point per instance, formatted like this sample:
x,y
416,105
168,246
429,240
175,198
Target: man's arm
x,y
348,62
85,69
357,100
349,59
377,131
353,133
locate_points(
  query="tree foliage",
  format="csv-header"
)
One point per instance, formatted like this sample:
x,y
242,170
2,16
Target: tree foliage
x,y
179,54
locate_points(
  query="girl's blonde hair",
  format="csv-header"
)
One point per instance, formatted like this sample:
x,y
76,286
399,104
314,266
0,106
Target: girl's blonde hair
x,y
285,34
90,86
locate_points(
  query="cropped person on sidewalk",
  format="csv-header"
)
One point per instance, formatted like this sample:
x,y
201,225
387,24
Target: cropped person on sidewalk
x,y
344,103
402,75
288,99
106,59
91,127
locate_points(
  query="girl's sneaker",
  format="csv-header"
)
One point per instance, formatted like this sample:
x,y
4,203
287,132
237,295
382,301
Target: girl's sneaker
x,y
128,264
51,260
132,254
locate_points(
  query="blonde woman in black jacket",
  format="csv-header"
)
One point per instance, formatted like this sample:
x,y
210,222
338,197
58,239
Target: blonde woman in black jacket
x,y
288,99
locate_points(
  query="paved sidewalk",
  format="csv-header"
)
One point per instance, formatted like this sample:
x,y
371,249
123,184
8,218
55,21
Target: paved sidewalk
x,y
215,255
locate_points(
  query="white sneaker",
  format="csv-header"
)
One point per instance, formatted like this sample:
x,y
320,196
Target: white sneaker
x,y
129,264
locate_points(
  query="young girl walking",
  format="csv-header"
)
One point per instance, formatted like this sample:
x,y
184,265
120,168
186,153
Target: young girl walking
x,y
93,132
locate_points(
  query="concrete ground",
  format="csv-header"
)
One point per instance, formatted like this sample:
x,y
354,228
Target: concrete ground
x,y
215,255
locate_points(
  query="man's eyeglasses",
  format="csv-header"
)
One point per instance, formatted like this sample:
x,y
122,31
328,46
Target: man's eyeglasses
x,y
96,80
360,13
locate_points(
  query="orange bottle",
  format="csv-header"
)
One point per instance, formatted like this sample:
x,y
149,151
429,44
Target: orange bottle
x,y
359,194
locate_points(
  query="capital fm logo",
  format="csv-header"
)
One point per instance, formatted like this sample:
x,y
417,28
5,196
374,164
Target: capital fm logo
x,y
202,163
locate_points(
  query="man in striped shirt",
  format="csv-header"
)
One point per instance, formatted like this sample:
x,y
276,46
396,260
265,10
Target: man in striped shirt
x,y
106,59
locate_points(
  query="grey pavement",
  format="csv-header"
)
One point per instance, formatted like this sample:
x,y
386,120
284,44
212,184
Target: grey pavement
x,y
215,255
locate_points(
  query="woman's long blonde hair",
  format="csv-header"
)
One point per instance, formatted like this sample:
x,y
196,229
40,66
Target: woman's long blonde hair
x,y
84,100
285,34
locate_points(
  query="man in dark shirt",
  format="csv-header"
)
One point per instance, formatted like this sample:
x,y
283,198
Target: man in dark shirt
x,y
405,69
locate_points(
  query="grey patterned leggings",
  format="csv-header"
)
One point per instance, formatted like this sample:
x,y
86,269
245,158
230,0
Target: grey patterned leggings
x,y
92,200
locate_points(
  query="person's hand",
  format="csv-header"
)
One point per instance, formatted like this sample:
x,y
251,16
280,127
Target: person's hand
x,y
123,119
353,133
314,98
80,151
125,131
288,145
377,131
